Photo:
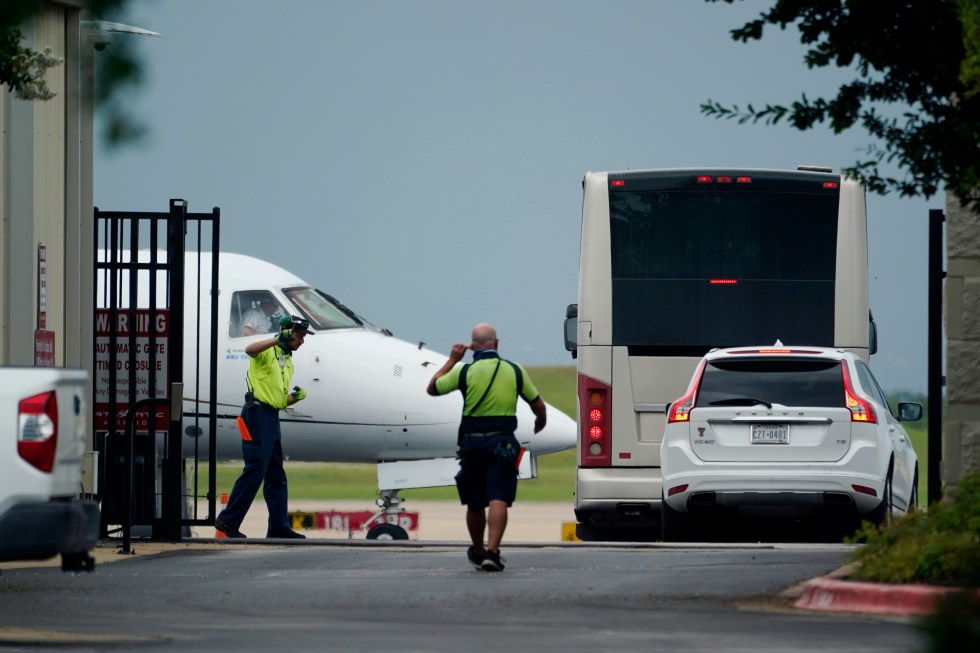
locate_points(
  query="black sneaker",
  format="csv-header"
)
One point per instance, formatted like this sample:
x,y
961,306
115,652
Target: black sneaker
x,y
492,561
228,529
476,559
286,535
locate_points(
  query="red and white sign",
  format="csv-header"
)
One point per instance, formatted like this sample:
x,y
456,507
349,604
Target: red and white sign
x,y
43,348
351,521
43,339
42,287
149,361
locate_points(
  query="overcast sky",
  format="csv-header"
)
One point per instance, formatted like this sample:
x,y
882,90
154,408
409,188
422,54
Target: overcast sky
x,y
422,160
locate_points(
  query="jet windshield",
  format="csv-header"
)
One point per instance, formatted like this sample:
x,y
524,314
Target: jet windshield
x,y
321,310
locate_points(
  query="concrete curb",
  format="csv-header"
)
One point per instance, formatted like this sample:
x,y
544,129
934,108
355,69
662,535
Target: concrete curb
x,y
834,595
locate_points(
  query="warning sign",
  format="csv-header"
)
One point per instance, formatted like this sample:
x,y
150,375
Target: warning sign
x,y
148,359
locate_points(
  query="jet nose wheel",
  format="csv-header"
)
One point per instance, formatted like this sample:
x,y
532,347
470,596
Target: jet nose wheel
x,y
387,532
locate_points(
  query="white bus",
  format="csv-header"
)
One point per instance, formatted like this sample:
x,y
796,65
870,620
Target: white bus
x,y
675,262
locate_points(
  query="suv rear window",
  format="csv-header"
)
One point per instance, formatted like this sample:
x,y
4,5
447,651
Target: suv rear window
x,y
783,381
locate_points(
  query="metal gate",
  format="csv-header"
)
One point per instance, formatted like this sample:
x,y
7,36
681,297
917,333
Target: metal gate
x,y
151,309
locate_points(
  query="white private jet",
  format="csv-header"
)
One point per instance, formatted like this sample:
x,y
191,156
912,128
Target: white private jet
x,y
366,390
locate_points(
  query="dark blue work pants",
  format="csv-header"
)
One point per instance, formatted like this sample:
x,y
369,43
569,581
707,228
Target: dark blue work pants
x,y
263,464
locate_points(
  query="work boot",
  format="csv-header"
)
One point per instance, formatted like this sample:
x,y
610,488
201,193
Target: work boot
x,y
228,529
286,535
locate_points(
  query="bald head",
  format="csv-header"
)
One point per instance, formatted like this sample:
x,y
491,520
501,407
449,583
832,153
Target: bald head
x,y
484,337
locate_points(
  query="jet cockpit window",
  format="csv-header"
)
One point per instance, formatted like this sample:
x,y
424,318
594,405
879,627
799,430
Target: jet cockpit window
x,y
320,311
253,312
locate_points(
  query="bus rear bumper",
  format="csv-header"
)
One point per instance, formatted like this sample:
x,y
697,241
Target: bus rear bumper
x,y
622,497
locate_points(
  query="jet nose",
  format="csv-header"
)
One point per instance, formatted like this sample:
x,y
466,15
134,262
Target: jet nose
x,y
559,434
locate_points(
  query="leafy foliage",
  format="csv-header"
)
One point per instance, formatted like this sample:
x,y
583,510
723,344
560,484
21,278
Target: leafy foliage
x,y
118,69
940,546
969,11
118,74
22,69
917,66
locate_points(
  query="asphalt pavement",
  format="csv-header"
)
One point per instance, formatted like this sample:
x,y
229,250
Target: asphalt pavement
x,y
324,594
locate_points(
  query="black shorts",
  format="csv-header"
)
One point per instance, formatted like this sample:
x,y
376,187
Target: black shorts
x,y
488,470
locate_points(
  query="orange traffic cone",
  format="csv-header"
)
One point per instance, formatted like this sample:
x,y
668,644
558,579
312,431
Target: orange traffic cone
x,y
224,503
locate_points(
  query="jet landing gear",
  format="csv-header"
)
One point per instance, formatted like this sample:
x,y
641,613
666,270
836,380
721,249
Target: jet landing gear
x,y
386,519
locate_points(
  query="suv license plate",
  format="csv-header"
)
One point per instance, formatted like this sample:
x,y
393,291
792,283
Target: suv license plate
x,y
770,434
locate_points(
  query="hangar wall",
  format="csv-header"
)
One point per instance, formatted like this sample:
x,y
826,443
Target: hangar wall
x,y
46,199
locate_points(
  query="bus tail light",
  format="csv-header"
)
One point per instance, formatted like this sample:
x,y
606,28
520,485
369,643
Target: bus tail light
x,y
595,436
861,410
722,179
37,430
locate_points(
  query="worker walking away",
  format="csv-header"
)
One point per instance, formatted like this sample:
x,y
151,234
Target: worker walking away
x,y
489,453
270,372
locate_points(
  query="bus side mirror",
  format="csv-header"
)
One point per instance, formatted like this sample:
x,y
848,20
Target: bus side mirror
x,y
571,329
872,334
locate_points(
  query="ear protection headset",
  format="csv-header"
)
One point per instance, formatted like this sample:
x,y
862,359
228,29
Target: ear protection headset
x,y
290,323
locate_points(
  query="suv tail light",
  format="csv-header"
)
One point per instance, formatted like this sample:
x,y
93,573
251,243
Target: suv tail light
x,y
680,410
861,410
595,407
37,430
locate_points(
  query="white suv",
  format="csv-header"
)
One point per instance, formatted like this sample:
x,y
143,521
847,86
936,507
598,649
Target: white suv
x,y
794,432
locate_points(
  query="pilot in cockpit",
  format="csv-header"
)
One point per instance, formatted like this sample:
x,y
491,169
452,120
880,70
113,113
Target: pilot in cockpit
x,y
259,319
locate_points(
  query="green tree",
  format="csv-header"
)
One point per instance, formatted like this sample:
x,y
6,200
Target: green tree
x,y
118,72
917,64
969,11
22,69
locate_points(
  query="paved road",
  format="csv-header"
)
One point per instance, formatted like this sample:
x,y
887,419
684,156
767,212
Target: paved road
x,y
416,597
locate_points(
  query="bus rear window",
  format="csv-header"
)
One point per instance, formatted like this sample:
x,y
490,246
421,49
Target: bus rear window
x,y
709,268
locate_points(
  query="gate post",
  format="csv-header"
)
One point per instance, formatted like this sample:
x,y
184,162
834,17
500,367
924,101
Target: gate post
x,y
171,509
935,380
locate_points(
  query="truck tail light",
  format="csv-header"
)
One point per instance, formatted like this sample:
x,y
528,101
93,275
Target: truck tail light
x,y
595,436
37,430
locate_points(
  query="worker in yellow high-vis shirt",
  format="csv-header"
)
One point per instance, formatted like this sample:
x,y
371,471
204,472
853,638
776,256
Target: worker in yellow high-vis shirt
x,y
488,450
270,372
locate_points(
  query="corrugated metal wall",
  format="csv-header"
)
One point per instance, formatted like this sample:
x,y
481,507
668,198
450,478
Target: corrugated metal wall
x,y
40,197
18,289
49,175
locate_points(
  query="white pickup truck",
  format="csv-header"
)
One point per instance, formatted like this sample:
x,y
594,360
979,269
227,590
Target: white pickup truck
x,y
43,433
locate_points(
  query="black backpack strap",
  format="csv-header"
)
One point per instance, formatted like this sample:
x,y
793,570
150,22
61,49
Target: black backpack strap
x,y
485,391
